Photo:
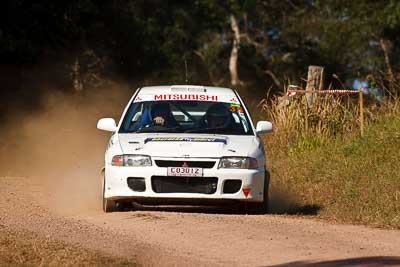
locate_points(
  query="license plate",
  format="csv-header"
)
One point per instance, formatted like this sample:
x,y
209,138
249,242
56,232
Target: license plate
x,y
184,171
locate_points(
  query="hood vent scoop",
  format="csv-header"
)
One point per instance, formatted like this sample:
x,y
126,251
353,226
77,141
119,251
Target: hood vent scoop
x,y
187,89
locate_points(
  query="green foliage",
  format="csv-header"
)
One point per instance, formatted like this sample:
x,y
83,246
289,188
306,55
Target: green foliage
x,y
279,39
140,36
307,143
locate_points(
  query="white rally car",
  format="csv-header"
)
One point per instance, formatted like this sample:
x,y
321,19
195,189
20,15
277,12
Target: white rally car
x,y
185,144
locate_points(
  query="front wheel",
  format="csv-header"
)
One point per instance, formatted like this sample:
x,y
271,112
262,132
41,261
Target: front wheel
x,y
112,205
108,204
261,207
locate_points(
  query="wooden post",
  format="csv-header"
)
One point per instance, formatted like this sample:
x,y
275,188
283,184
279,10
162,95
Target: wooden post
x,y
361,103
315,81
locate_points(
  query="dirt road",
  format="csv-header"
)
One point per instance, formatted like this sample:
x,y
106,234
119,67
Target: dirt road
x,y
195,236
50,186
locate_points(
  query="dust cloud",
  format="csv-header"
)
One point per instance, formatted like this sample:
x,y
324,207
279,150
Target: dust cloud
x,y
58,146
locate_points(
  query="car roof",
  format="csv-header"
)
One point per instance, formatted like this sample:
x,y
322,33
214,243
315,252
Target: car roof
x,y
186,92
166,89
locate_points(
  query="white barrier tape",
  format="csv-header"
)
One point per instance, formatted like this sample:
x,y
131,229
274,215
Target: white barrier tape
x,y
343,92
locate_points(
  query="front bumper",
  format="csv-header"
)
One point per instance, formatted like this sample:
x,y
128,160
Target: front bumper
x,y
116,183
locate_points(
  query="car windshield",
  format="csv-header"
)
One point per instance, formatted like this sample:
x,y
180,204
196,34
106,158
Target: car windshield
x,y
205,117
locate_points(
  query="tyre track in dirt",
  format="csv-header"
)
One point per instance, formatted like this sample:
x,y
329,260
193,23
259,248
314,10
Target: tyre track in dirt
x,y
195,236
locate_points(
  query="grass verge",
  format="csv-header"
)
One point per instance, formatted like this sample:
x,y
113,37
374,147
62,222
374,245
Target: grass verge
x,y
355,180
25,248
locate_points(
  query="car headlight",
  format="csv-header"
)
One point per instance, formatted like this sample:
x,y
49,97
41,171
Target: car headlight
x,y
131,160
238,163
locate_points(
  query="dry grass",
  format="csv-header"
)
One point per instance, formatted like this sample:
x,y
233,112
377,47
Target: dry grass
x,y
25,248
329,116
319,158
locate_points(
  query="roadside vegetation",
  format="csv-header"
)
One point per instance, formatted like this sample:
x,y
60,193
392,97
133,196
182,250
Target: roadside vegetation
x,y
325,168
24,248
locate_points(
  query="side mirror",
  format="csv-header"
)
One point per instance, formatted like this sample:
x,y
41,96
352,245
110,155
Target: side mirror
x,y
264,127
107,124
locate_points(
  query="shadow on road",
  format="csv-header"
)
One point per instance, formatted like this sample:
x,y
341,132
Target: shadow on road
x,y
233,209
225,209
354,262
296,209
280,203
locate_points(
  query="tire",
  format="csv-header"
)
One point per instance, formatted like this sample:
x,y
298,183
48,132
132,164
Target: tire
x,y
261,207
108,204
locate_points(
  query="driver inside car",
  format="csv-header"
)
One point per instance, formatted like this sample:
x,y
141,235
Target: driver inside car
x,y
218,116
161,115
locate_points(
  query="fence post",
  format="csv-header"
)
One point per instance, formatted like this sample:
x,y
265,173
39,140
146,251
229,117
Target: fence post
x,y
361,103
315,81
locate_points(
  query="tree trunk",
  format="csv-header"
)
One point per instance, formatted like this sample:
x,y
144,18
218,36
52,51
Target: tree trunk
x,y
386,46
76,77
234,52
315,81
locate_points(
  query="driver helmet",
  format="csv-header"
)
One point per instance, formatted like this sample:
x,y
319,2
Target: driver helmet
x,y
160,109
218,116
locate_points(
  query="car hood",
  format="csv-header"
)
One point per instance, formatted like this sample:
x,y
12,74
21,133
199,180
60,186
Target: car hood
x,y
187,145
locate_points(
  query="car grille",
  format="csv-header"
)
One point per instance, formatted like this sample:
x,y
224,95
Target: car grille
x,y
171,184
180,163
